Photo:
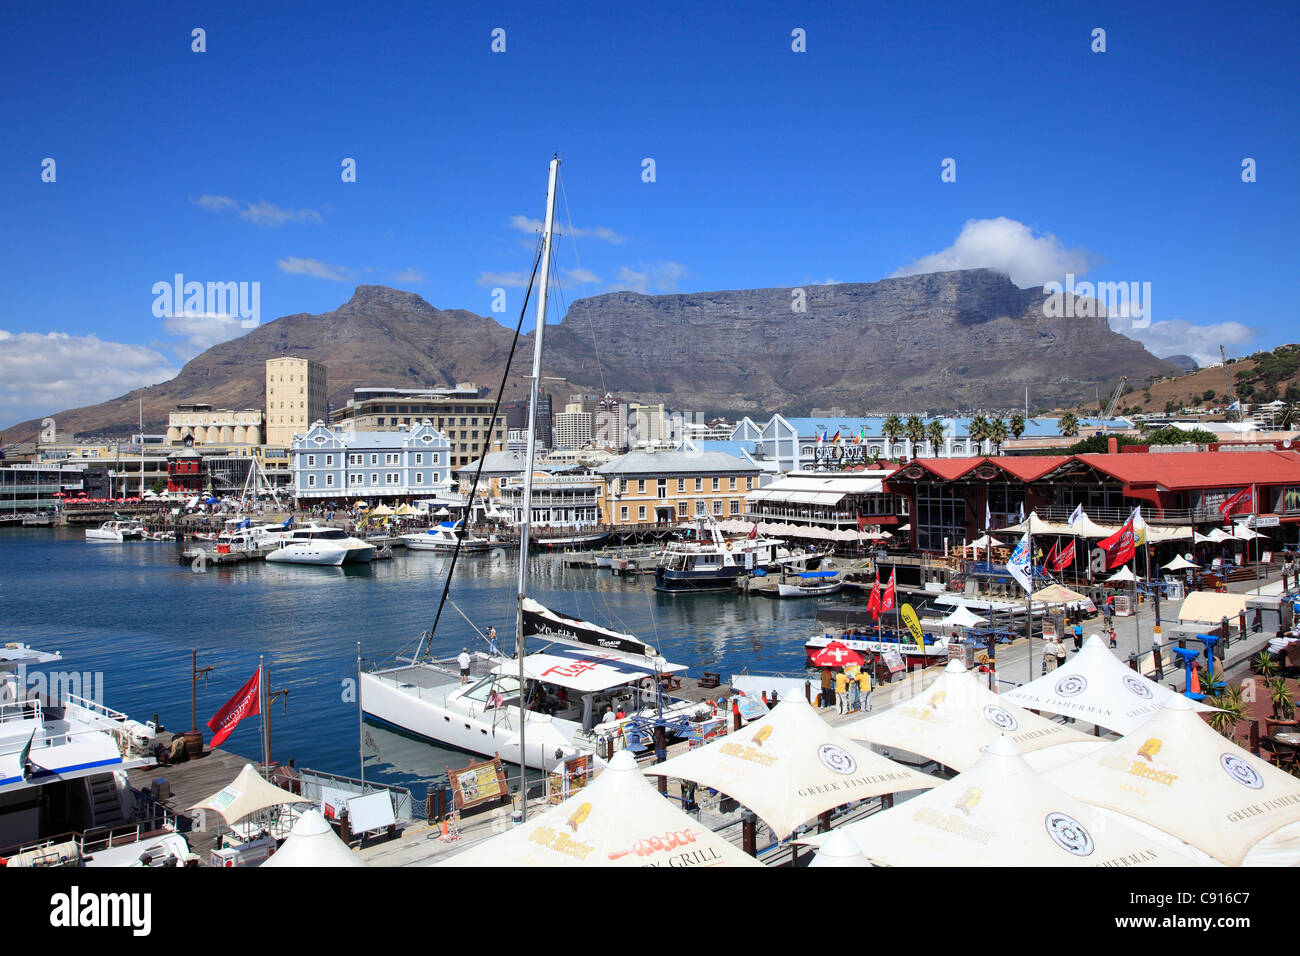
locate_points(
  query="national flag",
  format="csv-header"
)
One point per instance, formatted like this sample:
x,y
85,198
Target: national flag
x,y
1241,501
1019,565
857,439
837,437
1065,558
873,602
862,523
1022,511
1076,517
1139,526
246,703
887,599
25,753
1120,546
988,517
821,437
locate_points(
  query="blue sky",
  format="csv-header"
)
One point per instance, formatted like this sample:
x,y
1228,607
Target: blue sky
x,y
772,168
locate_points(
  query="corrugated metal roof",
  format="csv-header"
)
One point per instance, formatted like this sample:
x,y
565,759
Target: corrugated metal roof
x,y
674,462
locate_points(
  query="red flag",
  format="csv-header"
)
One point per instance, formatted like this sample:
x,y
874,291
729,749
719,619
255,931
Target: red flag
x,y
1065,558
1120,546
873,603
753,532
887,601
862,523
1047,561
246,703
1241,501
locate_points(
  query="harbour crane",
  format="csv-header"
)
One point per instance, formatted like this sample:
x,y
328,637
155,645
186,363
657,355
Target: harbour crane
x,y
1114,397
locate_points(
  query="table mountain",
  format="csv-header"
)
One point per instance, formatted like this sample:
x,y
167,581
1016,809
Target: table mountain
x,y
948,340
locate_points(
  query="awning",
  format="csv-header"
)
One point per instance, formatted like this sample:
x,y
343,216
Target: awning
x,y
584,671
1210,607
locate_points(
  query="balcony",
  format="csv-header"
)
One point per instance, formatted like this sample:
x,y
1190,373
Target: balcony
x,y
1117,516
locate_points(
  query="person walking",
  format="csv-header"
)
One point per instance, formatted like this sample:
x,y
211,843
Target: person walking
x,y
842,692
864,689
1060,654
1078,636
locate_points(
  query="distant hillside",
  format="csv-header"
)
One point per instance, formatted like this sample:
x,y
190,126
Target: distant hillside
x,y
943,341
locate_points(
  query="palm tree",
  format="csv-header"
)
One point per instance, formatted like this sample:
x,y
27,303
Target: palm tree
x,y
979,431
934,431
1017,425
891,429
998,434
1068,425
914,429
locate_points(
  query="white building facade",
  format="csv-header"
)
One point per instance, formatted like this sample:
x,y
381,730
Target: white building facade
x,y
413,462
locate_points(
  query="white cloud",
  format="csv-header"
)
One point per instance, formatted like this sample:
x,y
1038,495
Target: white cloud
x,y
579,276
411,274
524,224
1009,247
261,213
295,265
1180,337
41,374
660,277
201,331
508,280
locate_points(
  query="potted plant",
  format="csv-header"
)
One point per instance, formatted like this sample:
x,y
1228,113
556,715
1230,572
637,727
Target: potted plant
x,y
1232,709
1279,696
1264,664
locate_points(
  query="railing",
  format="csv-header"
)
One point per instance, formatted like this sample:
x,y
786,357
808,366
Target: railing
x,y
404,808
21,710
88,842
1117,516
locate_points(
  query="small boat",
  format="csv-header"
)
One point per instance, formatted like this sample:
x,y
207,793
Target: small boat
x,y
561,542
116,531
444,538
881,641
321,545
810,584
38,521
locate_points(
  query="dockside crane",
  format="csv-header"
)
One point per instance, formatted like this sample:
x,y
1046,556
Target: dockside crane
x,y
1114,397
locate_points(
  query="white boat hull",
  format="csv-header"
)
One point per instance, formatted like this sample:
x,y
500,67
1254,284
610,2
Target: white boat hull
x,y
311,553
816,590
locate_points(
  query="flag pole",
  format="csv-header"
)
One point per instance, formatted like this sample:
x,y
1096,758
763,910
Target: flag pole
x,y
361,727
263,706
1029,601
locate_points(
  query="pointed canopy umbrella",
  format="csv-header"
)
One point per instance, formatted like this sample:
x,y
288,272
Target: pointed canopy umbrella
x,y
1057,594
1123,574
619,819
1096,686
791,766
984,542
955,718
1036,525
1179,775
247,794
839,849
382,511
1242,533
1178,564
313,842
1087,528
1001,813
963,617
1218,535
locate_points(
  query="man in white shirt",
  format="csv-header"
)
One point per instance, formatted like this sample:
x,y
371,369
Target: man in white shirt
x,y
463,661
608,716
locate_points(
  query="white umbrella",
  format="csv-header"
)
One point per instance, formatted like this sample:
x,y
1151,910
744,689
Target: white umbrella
x,y
1218,535
246,794
1001,813
313,842
1177,774
1096,686
791,766
1123,574
962,617
955,718
1178,564
1036,525
1241,532
618,819
839,849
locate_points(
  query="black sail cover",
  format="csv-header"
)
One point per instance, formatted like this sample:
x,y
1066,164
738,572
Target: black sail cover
x,y
552,625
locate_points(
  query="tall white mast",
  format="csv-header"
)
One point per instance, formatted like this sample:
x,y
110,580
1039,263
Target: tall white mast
x,y
527,515
142,449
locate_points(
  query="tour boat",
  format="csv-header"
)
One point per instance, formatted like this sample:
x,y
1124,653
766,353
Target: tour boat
x,y
810,584
321,545
116,531
445,538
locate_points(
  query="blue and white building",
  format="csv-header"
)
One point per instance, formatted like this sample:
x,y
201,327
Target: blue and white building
x,y
413,461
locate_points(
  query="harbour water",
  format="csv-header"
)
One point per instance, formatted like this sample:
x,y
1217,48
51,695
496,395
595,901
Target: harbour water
x,y
133,613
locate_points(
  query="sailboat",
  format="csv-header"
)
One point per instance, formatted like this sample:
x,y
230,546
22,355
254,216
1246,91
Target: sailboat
x,y
535,708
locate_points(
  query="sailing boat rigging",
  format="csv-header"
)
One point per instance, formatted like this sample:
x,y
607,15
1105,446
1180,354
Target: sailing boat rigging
x,y
536,708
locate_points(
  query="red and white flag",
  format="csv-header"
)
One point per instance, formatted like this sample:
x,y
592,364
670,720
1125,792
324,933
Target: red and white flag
x,y
1051,556
873,602
887,599
1065,558
1120,546
753,532
1241,501
246,703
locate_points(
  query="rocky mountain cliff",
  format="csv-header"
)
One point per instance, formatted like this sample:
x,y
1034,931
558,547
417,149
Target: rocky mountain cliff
x,y
943,341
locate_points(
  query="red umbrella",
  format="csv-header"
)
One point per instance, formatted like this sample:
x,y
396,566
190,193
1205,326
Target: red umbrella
x,y
836,654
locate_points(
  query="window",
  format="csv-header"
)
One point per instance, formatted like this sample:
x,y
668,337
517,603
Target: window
x,y
699,507
393,477
329,480
374,478
681,485
699,484
749,484
640,486
731,484
735,506
311,461
662,489
622,485
419,458
329,460
622,514
681,509
311,481
640,513
374,460
716,484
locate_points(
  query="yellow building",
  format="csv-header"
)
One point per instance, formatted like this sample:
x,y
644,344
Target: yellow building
x,y
668,487
209,426
295,397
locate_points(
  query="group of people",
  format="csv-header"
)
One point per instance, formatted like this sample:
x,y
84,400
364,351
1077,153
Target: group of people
x,y
848,692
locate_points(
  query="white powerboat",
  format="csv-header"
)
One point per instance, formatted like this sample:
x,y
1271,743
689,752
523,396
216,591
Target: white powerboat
x,y
809,584
444,538
710,562
316,544
116,531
